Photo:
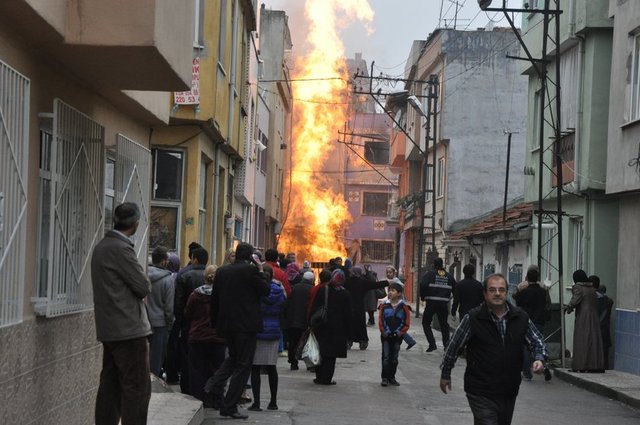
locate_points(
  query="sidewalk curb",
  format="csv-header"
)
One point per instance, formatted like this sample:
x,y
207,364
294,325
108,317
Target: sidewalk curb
x,y
172,408
598,388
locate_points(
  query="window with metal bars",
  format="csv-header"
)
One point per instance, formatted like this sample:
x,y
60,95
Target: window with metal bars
x,y
375,203
14,144
71,210
377,251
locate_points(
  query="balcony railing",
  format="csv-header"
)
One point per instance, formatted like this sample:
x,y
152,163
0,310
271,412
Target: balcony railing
x,y
567,151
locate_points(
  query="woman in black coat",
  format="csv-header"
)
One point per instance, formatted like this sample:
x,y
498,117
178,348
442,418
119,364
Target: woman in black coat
x,y
332,336
358,285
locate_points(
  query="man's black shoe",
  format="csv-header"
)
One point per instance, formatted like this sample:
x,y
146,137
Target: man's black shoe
x,y
318,382
233,414
294,367
547,374
432,348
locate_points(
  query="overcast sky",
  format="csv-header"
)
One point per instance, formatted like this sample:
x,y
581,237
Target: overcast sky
x,y
396,24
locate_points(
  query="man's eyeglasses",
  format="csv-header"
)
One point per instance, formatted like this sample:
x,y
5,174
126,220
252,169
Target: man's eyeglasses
x,y
499,290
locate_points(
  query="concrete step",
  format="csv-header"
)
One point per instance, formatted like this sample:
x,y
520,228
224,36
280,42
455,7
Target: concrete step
x,y
169,407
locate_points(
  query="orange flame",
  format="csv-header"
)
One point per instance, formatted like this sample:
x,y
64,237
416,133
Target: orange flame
x,y
317,212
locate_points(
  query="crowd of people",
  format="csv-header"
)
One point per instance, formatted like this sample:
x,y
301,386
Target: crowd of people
x,y
215,330
214,327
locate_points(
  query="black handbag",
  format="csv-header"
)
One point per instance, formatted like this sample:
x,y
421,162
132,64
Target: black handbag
x,y
320,316
380,293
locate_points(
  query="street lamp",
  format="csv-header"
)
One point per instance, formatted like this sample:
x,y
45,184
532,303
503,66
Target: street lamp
x,y
415,103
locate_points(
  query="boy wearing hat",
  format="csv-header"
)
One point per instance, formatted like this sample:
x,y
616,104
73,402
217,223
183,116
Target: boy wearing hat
x,y
394,320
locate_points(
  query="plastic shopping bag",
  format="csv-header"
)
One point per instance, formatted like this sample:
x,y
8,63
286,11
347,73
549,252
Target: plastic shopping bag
x,y
311,351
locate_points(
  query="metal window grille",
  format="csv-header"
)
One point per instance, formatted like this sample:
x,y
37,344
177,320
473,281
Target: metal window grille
x,y
74,210
635,80
441,178
14,126
133,174
375,203
377,251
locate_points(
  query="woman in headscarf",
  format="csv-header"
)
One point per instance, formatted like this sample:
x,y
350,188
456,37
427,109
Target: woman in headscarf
x,y
332,335
293,273
588,355
358,285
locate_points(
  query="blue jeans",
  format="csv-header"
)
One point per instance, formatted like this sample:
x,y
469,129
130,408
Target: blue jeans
x,y
408,339
158,348
390,350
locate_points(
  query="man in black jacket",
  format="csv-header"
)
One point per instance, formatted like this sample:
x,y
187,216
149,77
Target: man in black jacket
x,y
436,287
494,335
295,315
535,300
186,283
235,314
468,292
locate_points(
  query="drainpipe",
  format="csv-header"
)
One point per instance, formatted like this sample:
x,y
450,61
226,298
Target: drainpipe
x,y
232,88
232,70
578,132
216,204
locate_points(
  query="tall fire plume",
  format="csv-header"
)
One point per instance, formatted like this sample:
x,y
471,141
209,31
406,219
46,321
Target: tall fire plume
x,y
315,209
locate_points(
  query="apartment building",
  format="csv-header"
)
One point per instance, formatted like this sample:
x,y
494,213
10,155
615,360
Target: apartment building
x,y
196,157
589,216
623,181
83,83
452,76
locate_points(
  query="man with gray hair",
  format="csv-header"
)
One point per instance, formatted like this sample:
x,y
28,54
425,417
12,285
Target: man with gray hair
x,y
119,286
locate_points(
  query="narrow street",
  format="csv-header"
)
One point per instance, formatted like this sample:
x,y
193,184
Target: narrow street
x,y
358,397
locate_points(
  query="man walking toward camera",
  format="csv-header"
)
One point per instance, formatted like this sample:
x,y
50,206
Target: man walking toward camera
x,y
122,325
494,335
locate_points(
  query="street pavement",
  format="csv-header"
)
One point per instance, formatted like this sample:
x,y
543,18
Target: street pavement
x,y
358,397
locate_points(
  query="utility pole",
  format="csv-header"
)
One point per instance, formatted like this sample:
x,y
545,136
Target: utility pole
x,y
428,167
549,115
430,135
506,178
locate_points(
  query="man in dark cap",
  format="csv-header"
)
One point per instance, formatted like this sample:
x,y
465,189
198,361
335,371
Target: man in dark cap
x,y
122,324
436,287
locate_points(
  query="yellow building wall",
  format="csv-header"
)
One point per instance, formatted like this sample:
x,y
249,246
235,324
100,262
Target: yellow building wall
x,y
215,89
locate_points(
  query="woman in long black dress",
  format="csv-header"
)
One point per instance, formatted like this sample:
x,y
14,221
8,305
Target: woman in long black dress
x,y
332,335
